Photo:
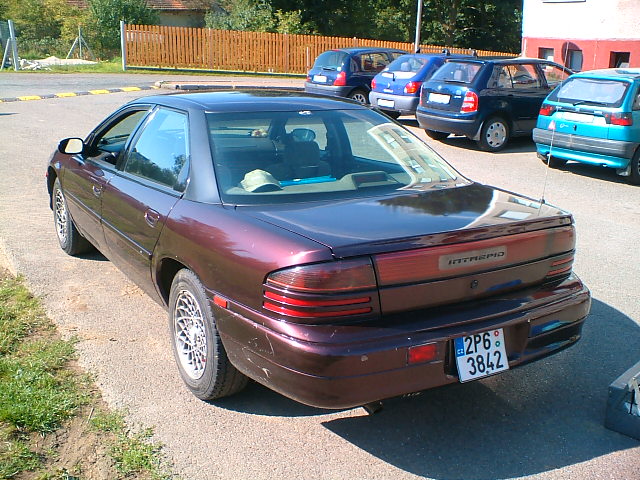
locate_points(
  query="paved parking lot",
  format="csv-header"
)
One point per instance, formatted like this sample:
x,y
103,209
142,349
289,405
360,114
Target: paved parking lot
x,y
542,421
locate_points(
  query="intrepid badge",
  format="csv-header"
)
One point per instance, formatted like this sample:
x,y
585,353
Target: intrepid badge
x,y
472,257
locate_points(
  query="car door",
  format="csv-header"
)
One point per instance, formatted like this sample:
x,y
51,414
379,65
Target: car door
x,y
86,174
149,181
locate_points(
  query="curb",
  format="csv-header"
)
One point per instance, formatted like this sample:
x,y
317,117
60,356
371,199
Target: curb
x,y
26,98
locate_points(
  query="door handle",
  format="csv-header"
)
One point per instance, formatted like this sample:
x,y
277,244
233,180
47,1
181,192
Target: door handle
x,y
151,217
97,190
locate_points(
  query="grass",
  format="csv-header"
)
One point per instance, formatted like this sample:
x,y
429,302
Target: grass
x,y
39,392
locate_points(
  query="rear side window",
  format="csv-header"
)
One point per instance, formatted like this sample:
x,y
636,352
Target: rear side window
x,y
331,60
591,91
372,62
457,72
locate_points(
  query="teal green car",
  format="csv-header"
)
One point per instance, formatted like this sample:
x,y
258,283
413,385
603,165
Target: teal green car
x,y
593,117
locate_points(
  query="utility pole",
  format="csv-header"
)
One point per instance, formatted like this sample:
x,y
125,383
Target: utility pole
x,y
416,46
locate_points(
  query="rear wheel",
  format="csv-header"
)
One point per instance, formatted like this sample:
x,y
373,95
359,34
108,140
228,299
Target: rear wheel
x,y
494,135
201,358
634,177
359,96
69,237
436,135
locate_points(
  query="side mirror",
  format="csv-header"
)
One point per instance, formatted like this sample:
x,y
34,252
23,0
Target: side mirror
x,y
71,146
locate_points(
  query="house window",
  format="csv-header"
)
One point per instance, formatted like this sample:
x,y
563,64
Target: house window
x,y
574,60
619,59
545,53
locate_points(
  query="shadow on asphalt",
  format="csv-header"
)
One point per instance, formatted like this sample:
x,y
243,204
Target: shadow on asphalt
x,y
540,417
593,171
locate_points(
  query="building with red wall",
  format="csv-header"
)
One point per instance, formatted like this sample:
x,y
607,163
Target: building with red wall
x,y
583,34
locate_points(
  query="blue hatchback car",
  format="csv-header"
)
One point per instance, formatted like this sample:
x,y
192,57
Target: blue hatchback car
x,y
593,118
347,72
396,90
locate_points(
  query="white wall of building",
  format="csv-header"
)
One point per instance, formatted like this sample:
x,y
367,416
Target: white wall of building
x,y
582,19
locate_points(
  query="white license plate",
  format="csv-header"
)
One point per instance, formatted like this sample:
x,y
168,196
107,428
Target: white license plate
x,y
387,74
386,103
320,78
481,355
578,117
439,98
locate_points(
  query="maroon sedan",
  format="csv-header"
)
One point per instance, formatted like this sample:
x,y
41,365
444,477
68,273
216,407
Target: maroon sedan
x,y
315,246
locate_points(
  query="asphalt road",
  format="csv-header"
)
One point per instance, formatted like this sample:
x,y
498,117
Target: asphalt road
x,y
541,421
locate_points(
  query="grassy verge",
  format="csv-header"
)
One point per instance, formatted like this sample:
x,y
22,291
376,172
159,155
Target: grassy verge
x,y
48,419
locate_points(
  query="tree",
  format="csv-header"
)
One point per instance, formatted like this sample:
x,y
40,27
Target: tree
x,y
107,15
257,16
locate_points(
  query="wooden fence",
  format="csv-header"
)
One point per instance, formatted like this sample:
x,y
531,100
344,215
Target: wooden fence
x,y
207,49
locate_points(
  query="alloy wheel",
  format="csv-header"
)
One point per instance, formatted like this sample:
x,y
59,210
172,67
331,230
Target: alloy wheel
x,y
190,335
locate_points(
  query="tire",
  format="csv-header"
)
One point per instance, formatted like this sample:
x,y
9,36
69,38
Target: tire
x,y
197,348
436,135
634,177
554,162
359,96
69,237
494,134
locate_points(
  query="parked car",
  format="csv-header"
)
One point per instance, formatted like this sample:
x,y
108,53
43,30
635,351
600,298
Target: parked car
x,y
347,72
396,89
487,100
315,246
593,118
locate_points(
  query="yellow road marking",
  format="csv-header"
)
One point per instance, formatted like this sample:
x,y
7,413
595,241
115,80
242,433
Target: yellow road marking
x,y
30,97
130,89
65,94
98,92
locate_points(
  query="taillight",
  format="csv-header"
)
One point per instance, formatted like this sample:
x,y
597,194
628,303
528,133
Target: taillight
x,y
624,119
561,267
322,290
308,78
412,87
470,102
341,79
546,110
373,84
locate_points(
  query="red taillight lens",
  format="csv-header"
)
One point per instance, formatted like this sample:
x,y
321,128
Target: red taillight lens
x,y
546,110
624,119
332,289
373,84
341,79
308,78
345,275
560,267
470,102
423,353
412,87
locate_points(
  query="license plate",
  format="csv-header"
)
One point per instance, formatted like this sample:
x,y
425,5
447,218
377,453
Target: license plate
x,y
386,103
387,74
578,117
439,98
481,355
320,78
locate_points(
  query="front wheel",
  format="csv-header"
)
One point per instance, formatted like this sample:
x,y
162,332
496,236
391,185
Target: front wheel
x,y
359,96
436,135
69,238
201,358
494,135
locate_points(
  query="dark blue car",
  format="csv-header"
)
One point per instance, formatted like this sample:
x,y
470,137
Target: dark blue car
x,y
396,89
347,72
487,100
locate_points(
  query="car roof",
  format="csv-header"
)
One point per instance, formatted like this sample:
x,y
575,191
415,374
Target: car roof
x,y
354,50
628,73
500,60
249,100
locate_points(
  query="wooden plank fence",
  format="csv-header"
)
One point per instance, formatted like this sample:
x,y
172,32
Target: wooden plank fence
x,y
207,49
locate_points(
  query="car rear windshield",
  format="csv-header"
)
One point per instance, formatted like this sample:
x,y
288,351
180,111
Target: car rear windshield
x,y
457,72
405,66
330,60
277,157
591,91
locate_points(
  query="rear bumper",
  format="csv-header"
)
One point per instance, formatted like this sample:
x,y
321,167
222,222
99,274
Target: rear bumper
x,y
329,90
338,366
467,126
405,104
594,151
